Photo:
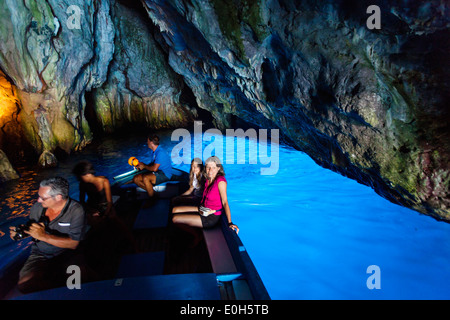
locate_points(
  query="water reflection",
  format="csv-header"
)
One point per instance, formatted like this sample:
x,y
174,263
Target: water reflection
x,y
18,195
306,224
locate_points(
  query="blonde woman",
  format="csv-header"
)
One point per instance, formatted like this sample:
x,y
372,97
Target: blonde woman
x,y
214,201
192,196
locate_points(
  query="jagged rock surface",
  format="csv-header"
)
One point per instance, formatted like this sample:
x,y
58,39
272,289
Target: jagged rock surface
x,y
141,87
370,104
57,51
7,171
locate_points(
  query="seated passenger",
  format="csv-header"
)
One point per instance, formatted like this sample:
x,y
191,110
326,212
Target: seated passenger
x,y
97,188
193,195
214,201
160,167
57,224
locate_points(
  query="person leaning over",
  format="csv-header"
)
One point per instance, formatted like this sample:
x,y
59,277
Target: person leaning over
x,y
58,225
97,188
160,167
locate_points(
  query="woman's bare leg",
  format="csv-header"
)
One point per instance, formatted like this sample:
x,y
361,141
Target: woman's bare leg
x,y
184,209
192,220
190,224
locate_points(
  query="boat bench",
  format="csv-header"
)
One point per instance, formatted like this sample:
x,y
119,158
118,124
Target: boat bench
x,y
141,264
194,286
154,216
223,264
221,259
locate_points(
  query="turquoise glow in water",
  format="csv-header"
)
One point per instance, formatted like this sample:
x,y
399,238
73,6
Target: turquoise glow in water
x,y
311,233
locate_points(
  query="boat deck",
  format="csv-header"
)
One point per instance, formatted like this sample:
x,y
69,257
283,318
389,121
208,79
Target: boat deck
x,y
140,254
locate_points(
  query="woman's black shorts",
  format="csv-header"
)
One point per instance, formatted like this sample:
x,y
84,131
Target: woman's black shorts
x,y
210,221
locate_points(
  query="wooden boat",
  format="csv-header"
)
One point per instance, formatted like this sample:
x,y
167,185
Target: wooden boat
x,y
140,255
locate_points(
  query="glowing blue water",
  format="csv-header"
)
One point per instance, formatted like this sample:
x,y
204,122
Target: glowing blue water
x,y
311,233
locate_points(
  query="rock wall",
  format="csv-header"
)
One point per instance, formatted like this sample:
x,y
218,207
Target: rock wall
x,y
9,124
141,87
370,104
7,172
57,51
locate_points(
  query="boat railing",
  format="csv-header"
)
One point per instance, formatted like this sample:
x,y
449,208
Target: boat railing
x,y
244,267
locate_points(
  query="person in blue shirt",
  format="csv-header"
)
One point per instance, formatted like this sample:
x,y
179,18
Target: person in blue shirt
x,y
160,167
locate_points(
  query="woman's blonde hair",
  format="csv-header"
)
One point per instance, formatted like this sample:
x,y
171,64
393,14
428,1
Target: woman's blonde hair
x,y
199,176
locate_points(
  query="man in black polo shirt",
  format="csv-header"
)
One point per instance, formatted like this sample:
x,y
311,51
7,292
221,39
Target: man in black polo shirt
x,y
58,226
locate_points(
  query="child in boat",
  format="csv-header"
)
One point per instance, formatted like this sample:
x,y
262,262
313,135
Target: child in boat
x,y
214,201
97,188
192,196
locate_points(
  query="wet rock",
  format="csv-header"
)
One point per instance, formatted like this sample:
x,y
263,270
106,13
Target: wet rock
x,y
369,104
7,171
141,87
47,160
58,52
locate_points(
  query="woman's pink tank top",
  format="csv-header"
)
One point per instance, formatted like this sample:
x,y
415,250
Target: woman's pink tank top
x,y
211,197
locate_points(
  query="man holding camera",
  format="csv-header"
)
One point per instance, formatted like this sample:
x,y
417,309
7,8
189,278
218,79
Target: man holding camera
x,y
57,224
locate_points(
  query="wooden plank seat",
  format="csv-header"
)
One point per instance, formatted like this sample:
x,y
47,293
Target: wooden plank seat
x,y
141,264
234,285
167,189
221,259
153,214
194,286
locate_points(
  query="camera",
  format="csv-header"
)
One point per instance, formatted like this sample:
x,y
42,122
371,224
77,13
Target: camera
x,y
20,230
204,211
